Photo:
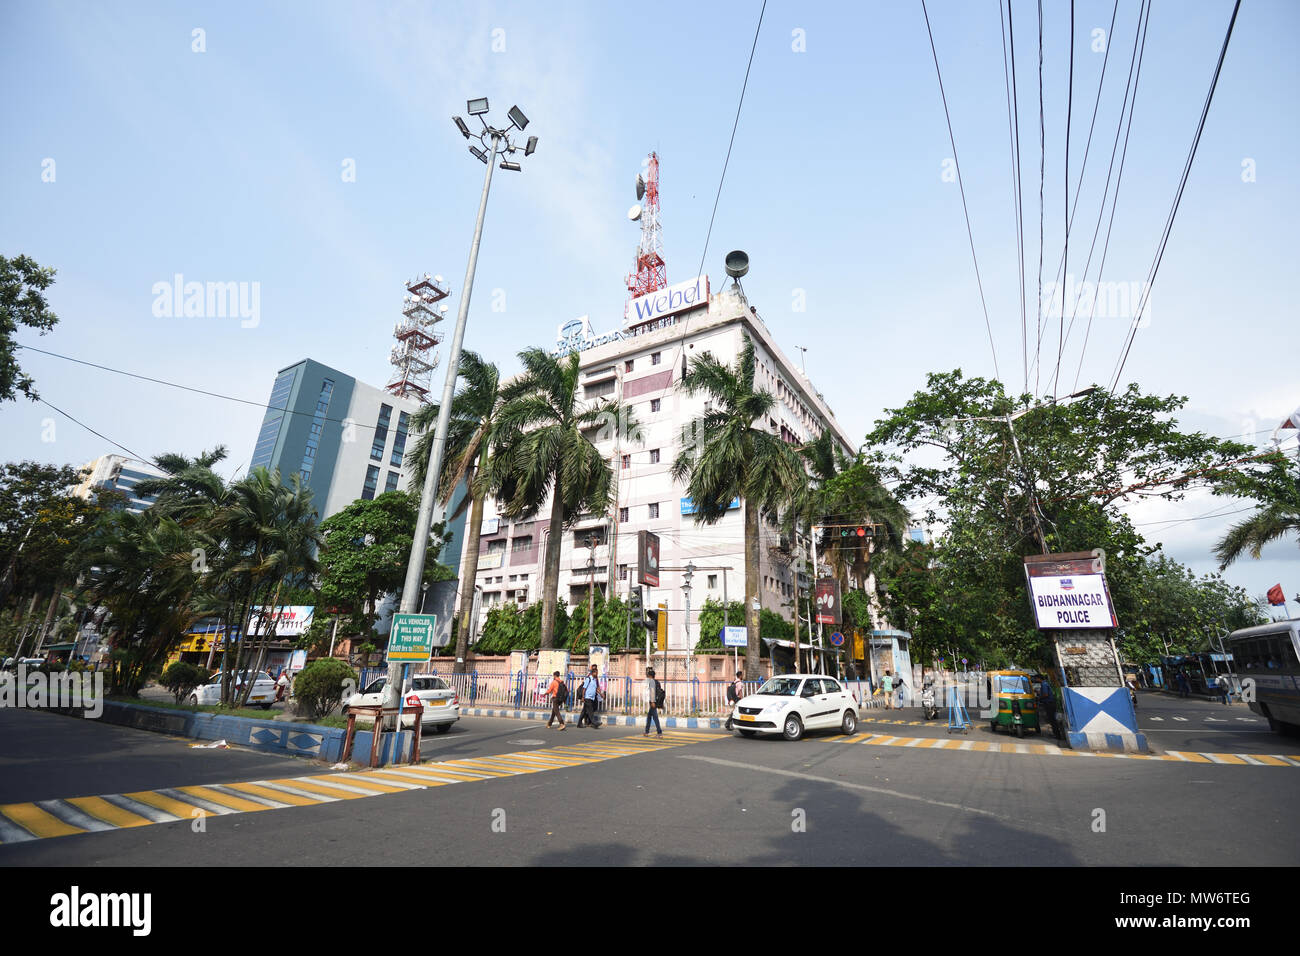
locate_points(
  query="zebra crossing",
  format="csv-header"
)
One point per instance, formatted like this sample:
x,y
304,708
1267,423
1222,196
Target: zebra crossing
x,y
42,819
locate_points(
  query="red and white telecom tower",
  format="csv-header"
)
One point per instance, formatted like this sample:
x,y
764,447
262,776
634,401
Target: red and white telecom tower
x,y
651,274
412,357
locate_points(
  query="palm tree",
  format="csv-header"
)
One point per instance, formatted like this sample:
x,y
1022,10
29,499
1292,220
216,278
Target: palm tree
x,y
469,439
274,537
1278,517
543,448
725,456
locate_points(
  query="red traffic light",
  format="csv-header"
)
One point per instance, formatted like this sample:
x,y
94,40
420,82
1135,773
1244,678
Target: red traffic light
x,y
862,532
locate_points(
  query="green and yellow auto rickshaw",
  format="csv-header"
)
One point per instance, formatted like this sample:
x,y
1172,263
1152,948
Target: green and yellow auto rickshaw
x,y
1015,706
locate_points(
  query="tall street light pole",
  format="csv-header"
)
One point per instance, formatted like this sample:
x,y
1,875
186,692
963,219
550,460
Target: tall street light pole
x,y
496,142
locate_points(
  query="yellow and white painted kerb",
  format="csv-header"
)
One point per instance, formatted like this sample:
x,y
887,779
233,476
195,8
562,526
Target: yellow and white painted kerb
x,y
21,822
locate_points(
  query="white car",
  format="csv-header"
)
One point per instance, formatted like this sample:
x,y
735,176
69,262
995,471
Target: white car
x,y
435,695
792,703
262,694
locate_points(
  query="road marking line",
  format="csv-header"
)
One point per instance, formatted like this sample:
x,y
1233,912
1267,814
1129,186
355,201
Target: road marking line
x,y
270,802
368,782
915,741
100,808
151,813
308,796
181,809
13,833
72,816
38,822
339,791
242,804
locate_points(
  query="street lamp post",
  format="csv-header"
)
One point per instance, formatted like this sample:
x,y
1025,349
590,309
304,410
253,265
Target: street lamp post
x,y
497,143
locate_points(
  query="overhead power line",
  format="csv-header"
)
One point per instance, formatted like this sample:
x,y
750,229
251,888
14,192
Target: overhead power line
x,y
965,209
1178,198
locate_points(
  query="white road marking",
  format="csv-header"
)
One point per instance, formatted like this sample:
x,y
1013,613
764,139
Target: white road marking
x,y
1184,719
838,783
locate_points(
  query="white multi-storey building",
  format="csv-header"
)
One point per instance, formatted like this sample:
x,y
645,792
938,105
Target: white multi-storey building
x,y
640,365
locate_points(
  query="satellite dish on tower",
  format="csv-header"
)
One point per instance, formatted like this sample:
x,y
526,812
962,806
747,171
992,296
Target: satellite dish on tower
x,y
640,187
736,263
634,213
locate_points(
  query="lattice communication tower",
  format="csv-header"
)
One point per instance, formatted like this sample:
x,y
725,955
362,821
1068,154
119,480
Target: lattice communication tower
x,y
413,358
651,274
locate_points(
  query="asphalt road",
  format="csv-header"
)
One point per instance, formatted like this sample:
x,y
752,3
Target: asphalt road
x,y
711,799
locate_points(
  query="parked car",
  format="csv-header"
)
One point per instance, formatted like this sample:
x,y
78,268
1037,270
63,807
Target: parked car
x,y
435,695
262,694
793,703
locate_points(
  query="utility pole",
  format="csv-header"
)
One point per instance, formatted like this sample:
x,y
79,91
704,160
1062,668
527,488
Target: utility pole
x,y
591,589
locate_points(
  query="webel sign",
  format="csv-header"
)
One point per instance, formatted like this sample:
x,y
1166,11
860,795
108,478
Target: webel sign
x,y
664,302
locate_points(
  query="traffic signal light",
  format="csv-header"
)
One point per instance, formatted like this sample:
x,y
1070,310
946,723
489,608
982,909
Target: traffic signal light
x,y
635,607
651,620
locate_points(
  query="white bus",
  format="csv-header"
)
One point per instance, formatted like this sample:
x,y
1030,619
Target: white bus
x,y
1266,665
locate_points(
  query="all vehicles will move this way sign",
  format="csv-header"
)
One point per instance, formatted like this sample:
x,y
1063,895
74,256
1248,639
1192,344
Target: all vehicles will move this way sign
x,y
411,639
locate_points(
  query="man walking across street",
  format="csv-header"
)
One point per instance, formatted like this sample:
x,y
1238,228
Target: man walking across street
x,y
558,693
590,695
735,691
887,688
654,693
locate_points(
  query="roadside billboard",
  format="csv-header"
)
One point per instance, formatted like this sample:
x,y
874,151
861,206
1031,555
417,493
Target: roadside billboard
x,y
647,551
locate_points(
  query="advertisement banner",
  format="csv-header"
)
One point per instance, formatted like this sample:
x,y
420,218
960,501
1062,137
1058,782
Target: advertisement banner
x,y
828,601
491,560
665,302
291,620
647,551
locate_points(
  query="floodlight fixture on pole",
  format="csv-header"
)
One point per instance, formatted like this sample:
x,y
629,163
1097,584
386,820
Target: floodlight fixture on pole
x,y
460,125
496,142
517,117
513,167
531,146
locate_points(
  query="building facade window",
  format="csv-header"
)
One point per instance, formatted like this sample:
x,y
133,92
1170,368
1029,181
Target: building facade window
x,y
317,425
264,450
627,462
713,581
654,510
656,404
381,432
522,544
654,456
656,358
622,515
372,479
390,483
497,547
627,366
599,389
399,440
622,572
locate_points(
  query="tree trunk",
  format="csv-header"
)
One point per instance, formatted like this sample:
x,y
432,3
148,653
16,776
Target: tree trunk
x,y
49,613
751,592
551,576
468,575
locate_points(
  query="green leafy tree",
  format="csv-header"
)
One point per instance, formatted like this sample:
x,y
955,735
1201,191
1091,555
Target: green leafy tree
x,y
22,302
1075,466
726,454
544,448
711,624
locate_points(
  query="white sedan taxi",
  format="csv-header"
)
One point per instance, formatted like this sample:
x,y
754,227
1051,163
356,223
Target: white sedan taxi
x,y
793,703
262,694
435,695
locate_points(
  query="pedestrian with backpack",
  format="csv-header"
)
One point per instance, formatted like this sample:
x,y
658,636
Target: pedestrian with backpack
x,y
654,694
590,696
735,691
558,692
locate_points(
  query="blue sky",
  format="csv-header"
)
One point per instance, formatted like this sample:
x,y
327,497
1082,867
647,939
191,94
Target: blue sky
x,y
226,165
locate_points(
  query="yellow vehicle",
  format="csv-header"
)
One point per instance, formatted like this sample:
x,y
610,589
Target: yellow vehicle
x,y
1015,706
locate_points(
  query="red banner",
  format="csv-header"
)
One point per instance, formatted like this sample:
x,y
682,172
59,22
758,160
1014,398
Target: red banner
x,y
1275,595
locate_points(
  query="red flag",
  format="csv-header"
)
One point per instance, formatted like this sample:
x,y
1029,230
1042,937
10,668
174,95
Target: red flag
x,y
1275,595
